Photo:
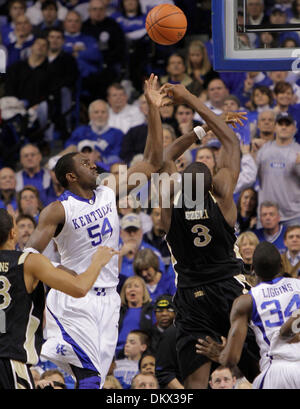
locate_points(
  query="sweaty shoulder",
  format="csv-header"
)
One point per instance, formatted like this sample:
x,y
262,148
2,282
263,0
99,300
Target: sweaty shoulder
x,y
242,305
53,213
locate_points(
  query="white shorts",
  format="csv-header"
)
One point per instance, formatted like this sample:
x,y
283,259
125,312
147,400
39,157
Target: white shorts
x,y
279,375
82,331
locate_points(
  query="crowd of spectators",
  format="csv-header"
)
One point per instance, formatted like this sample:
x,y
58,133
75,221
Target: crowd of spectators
x,y
74,82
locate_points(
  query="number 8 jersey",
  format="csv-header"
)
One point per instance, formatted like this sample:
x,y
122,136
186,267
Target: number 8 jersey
x,y
273,303
89,223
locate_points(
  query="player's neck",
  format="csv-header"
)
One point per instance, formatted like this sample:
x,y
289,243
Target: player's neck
x,y
8,245
84,193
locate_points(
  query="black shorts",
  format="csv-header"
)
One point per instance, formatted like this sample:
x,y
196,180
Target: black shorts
x,y
203,311
15,375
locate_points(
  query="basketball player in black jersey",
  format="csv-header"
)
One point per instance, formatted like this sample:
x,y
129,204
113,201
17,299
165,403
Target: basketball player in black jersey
x,y
202,244
22,301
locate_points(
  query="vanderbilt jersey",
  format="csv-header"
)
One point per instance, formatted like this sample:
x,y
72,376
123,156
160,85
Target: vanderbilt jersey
x,y
202,244
89,224
21,314
273,303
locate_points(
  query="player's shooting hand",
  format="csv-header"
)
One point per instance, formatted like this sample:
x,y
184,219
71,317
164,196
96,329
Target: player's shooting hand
x,y
210,348
234,118
177,92
152,94
103,255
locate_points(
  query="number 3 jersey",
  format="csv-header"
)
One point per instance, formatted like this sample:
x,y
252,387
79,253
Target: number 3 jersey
x,y
273,303
21,314
202,244
89,223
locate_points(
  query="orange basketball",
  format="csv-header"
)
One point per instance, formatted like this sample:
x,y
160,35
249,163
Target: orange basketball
x,y
166,24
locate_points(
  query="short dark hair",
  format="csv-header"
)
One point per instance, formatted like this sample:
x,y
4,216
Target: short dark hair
x,y
143,336
6,224
266,261
193,169
289,229
48,3
23,216
144,354
64,165
57,29
282,87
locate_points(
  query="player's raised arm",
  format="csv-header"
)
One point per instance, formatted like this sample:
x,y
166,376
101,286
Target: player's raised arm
x,y
50,218
229,156
38,268
239,318
153,153
181,144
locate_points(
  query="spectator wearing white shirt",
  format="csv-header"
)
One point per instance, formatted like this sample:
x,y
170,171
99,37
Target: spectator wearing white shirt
x,y
216,94
122,115
35,15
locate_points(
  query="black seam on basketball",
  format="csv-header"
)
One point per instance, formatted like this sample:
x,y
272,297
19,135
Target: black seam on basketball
x,y
170,41
172,14
172,28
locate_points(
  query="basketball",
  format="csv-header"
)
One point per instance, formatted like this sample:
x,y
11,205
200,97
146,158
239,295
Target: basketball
x,y
166,24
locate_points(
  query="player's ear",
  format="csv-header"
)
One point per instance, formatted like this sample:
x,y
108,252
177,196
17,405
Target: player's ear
x,y
71,177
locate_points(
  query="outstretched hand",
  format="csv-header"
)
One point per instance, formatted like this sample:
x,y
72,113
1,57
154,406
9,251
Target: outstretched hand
x,y
153,95
210,348
234,118
176,92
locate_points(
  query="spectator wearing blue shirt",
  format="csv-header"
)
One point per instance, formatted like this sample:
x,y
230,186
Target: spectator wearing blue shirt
x,y
108,139
271,231
8,189
131,234
83,47
32,173
136,310
16,8
146,265
156,236
49,10
132,22
19,48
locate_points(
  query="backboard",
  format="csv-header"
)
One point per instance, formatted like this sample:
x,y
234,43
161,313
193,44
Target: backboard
x,y
238,44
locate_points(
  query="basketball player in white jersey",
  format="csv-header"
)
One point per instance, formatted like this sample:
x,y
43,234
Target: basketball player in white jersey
x,y
82,335
267,308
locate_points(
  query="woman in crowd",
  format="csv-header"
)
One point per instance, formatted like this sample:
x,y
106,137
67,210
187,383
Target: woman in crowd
x,y
29,202
198,65
246,244
247,210
136,310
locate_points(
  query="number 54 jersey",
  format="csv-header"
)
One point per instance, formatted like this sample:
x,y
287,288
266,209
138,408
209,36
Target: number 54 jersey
x,y
273,303
89,223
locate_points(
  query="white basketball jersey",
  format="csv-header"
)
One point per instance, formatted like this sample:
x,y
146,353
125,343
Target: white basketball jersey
x,y
89,224
273,303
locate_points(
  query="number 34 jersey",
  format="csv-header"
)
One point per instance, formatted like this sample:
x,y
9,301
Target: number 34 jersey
x,y
202,244
89,223
273,303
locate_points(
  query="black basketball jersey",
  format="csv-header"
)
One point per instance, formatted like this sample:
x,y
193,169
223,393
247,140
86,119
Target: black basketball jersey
x,y
21,314
202,244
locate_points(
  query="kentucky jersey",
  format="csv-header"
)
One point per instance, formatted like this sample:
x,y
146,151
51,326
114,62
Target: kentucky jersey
x,y
202,244
273,303
21,314
89,223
